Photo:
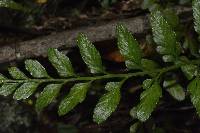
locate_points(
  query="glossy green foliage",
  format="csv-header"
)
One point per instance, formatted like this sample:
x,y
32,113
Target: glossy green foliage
x,y
189,70
49,93
164,36
36,69
194,89
108,102
16,73
60,62
76,95
128,47
23,84
25,90
148,100
174,89
196,14
8,88
90,54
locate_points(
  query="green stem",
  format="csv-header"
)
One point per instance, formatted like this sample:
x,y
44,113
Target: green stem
x,y
93,78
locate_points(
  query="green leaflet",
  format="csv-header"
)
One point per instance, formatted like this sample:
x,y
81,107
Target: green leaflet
x,y
36,69
76,95
189,70
13,5
177,92
25,90
147,83
60,62
128,46
108,102
174,89
164,36
171,17
16,73
149,99
90,54
49,93
191,44
8,88
194,89
196,14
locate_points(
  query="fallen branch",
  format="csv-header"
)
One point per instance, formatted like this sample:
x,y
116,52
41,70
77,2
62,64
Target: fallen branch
x,y
64,40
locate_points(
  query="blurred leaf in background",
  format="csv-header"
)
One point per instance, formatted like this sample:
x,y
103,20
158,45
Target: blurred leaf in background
x,y
107,3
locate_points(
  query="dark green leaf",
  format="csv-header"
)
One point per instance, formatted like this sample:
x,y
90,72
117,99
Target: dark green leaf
x,y
149,99
191,44
164,36
171,17
36,69
60,62
177,92
26,90
16,73
189,70
108,102
194,89
8,88
174,89
147,83
49,93
90,54
196,14
76,95
128,46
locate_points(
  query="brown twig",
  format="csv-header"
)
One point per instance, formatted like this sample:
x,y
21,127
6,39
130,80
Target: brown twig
x,y
64,40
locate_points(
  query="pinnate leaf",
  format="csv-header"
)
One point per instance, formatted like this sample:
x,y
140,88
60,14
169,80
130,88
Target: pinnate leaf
x,y
90,54
49,93
8,88
25,90
128,46
16,73
148,101
36,69
108,102
194,89
76,95
60,62
196,14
